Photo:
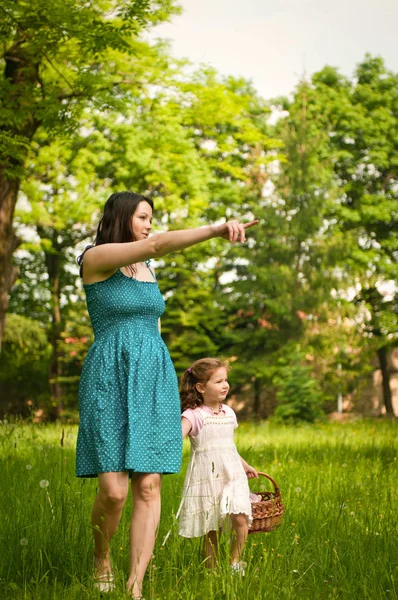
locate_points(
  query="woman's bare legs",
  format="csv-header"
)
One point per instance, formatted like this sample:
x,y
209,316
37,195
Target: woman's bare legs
x,y
105,517
210,549
241,530
144,525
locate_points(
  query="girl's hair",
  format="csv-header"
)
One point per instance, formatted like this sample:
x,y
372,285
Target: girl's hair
x,y
199,372
115,225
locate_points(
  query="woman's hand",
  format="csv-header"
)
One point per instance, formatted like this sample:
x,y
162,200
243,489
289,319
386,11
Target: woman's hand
x,y
233,230
251,472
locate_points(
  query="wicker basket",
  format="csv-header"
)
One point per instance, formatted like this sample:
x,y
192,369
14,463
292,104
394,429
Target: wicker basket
x,y
267,513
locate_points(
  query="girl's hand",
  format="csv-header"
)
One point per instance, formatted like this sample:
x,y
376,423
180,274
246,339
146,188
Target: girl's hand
x,y
233,230
251,472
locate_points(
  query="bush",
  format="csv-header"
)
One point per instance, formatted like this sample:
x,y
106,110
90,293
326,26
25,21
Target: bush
x,y
24,366
299,395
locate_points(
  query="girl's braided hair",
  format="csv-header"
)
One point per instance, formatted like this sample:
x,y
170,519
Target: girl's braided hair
x,y
199,372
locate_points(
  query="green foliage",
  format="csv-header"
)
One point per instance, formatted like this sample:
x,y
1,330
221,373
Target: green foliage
x,y
298,392
321,182
24,366
71,54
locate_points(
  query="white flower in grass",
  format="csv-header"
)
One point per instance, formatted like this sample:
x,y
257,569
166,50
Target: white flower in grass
x,y
44,483
24,542
28,467
298,489
344,465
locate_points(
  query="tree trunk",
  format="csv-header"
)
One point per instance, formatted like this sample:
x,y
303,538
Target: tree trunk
x,y
382,354
8,243
21,71
53,262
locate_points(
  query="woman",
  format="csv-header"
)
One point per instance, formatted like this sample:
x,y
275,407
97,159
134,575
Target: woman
x,y
128,397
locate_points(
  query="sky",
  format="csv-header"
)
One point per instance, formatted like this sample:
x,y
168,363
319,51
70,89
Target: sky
x,y
274,43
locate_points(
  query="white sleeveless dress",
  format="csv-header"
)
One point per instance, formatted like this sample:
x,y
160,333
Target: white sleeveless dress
x,y
215,484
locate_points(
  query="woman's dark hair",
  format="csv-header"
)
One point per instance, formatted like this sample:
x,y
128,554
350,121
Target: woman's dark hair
x,y
115,224
199,372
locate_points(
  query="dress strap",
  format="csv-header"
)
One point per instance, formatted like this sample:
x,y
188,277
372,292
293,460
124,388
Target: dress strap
x,y
81,258
148,262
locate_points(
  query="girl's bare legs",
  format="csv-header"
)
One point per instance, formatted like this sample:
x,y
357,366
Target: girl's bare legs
x,y
241,529
105,517
144,525
210,549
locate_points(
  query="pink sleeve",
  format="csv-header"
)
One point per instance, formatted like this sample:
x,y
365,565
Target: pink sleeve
x,y
195,418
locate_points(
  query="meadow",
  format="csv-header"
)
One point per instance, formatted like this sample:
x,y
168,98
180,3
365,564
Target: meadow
x,y
338,538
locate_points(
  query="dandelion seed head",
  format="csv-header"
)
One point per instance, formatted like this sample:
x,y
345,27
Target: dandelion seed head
x,y
24,542
298,489
44,483
28,467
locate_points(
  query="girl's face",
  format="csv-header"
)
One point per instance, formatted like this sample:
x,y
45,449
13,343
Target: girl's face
x,y
142,221
216,389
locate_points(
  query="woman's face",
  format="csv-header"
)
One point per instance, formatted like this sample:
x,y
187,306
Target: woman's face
x,y
142,221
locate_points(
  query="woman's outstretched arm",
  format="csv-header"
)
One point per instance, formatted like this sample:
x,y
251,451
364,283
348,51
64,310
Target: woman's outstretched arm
x,y
109,257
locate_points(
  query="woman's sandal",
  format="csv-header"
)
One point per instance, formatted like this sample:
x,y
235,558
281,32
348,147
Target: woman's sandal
x,y
238,568
104,583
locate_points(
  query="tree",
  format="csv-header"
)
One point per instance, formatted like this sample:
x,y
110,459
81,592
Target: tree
x,y
286,273
361,118
58,59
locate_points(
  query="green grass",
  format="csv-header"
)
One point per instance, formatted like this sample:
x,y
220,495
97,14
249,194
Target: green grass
x,y
338,538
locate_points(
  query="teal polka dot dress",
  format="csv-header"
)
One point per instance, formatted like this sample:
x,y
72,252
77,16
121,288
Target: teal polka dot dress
x,y
128,397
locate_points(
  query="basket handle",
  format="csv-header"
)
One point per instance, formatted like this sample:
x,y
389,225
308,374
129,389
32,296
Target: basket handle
x,y
277,490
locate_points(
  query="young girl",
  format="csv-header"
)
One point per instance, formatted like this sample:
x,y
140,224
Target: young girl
x,y
216,487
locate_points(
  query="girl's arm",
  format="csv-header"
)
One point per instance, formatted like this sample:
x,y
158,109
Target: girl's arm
x,y
109,257
250,471
186,426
